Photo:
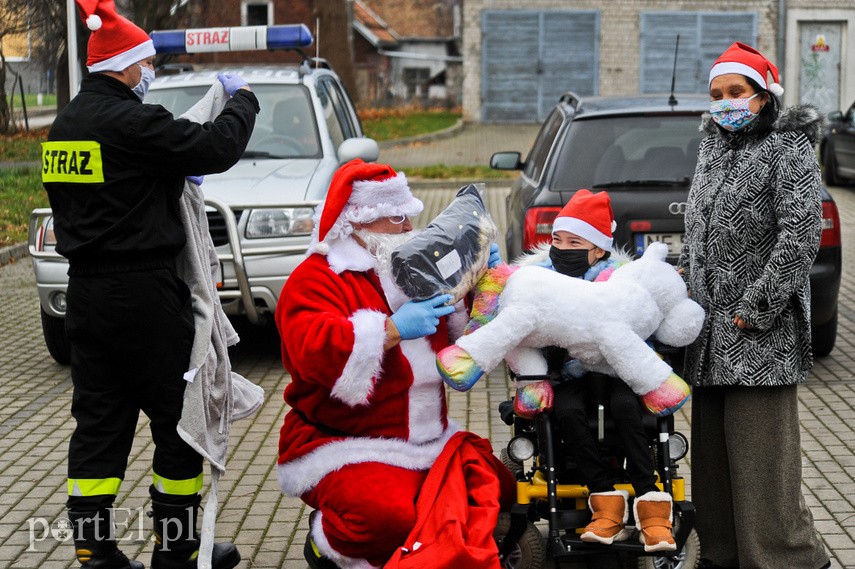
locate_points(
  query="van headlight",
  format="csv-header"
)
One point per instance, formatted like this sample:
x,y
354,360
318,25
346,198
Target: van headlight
x,y
279,222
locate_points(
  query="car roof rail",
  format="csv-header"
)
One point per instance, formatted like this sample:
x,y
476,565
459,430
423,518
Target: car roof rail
x,y
572,99
174,68
310,63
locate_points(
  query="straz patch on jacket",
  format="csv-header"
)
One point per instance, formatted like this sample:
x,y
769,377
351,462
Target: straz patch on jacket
x,y
74,161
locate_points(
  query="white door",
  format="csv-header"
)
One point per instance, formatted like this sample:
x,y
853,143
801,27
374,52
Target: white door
x,y
819,64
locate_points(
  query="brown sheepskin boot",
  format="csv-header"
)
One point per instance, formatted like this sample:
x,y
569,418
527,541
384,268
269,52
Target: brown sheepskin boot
x,y
654,516
610,512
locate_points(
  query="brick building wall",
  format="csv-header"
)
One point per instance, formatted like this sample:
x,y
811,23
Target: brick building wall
x,y
619,37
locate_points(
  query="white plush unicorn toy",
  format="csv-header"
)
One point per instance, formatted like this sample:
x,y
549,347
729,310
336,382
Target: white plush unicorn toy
x,y
603,325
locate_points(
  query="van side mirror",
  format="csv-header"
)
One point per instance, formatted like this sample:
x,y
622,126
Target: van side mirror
x,y
506,161
365,148
835,116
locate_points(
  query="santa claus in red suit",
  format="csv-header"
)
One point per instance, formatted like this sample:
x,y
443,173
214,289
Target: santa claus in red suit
x,y
368,417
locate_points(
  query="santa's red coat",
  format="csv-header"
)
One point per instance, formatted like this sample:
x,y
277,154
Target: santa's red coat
x,y
350,400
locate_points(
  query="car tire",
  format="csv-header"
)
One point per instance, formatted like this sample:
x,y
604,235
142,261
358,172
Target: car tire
x,y
824,336
829,164
56,338
530,551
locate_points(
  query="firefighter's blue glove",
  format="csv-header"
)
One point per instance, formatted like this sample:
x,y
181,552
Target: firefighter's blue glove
x,y
419,318
232,82
495,257
195,179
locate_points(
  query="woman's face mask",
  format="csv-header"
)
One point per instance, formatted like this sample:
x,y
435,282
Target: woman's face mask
x,y
732,114
146,78
570,262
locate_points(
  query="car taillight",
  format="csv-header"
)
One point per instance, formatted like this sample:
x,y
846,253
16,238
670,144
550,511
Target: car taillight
x,y
538,226
830,225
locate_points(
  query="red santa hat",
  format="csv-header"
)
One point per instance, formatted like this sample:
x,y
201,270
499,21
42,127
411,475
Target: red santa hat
x,y
115,43
745,60
589,216
362,192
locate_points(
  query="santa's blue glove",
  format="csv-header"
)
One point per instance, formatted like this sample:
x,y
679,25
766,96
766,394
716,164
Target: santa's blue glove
x,y
495,257
232,82
419,318
195,179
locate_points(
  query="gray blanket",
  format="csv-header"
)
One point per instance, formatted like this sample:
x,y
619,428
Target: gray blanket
x,y
215,396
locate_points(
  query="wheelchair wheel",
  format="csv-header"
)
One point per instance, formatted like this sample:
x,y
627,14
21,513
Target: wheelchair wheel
x,y
515,467
688,557
530,551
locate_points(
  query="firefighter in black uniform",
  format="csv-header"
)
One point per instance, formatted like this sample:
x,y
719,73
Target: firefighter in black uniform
x,y
114,170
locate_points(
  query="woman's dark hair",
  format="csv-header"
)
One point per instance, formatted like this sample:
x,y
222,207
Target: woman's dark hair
x,y
769,111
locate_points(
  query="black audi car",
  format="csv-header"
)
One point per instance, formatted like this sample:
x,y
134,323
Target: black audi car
x,y
837,149
643,150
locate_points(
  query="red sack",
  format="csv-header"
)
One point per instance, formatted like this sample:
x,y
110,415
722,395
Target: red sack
x,y
457,509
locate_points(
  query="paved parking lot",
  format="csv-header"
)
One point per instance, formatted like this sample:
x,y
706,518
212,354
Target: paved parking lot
x,y
269,528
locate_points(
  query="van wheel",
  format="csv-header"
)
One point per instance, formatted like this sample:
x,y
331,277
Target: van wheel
x,y
824,336
687,558
530,550
55,338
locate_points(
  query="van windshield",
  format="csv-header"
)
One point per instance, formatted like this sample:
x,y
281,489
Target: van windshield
x,y
285,127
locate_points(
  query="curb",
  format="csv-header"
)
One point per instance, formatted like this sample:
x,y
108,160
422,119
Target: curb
x,y
429,137
13,253
445,183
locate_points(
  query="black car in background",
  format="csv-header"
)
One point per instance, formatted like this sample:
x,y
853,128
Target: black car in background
x,y
837,149
643,150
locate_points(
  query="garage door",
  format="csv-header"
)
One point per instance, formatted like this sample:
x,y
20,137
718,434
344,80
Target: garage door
x,y
703,37
530,58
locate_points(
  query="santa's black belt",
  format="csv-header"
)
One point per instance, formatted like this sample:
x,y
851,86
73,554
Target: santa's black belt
x,y
321,427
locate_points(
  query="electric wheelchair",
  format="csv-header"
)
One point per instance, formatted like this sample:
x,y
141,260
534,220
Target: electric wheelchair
x,y
549,490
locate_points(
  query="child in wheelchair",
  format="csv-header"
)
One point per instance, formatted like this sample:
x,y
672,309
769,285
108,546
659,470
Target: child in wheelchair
x,y
582,247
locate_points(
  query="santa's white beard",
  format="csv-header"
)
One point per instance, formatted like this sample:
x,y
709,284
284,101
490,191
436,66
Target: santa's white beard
x,y
381,246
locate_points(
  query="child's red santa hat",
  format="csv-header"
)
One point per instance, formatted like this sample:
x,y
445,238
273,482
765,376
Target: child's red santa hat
x,y
589,216
362,192
116,43
745,60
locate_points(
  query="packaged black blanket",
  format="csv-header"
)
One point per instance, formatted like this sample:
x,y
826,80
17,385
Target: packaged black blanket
x,y
450,254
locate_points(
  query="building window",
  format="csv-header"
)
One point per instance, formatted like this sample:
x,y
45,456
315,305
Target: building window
x,y
416,80
257,13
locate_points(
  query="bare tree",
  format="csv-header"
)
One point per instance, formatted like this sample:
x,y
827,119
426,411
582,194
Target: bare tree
x,y
46,23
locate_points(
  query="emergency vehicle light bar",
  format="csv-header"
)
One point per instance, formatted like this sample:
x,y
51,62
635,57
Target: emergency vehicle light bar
x,y
240,38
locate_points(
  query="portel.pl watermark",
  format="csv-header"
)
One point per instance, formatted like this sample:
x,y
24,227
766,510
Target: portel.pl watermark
x,y
61,529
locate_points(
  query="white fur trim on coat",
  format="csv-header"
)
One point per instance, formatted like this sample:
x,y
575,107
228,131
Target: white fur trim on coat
x,y
323,545
299,476
356,383
426,393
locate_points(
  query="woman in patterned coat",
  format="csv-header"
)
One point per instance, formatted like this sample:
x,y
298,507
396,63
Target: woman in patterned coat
x,y
753,225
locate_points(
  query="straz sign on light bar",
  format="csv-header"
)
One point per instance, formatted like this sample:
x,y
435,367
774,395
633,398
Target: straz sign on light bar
x,y
225,39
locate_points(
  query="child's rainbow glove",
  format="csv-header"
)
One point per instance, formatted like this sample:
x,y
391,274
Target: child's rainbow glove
x,y
533,398
668,397
457,368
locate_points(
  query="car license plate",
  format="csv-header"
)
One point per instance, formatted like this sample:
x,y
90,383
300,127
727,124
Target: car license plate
x,y
673,240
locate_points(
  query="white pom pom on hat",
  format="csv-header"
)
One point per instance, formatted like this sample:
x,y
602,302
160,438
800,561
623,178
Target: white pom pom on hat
x,y
745,60
93,22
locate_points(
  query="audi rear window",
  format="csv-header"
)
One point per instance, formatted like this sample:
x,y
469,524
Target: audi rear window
x,y
636,150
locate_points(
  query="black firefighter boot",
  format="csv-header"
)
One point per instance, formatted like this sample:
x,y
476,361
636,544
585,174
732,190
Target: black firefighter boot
x,y
95,542
176,543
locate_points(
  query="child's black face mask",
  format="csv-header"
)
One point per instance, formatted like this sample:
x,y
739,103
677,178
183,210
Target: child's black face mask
x,y
570,262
